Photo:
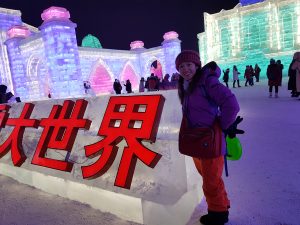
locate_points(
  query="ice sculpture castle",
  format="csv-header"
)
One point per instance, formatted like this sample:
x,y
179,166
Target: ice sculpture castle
x,y
37,61
254,31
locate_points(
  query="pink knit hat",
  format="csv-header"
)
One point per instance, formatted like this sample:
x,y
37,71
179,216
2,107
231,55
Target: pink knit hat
x,y
187,56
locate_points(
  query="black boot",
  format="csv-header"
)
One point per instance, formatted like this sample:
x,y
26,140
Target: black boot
x,y
214,218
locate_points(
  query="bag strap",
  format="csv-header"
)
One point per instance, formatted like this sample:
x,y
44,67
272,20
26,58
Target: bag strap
x,y
205,93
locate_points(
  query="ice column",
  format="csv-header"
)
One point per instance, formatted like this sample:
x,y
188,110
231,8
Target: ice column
x,y
8,18
61,53
172,48
18,70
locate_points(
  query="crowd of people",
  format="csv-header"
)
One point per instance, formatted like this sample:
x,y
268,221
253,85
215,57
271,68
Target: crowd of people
x,y
152,83
249,75
274,75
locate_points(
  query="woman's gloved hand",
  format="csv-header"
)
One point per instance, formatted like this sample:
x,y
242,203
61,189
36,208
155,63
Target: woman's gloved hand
x,y
232,130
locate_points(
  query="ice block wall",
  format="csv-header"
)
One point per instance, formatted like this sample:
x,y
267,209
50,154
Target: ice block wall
x,y
165,194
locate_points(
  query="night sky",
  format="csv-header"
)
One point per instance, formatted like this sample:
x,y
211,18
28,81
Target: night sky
x,y
116,23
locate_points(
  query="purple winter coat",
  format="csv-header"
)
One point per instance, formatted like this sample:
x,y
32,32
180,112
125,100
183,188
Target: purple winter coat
x,y
209,99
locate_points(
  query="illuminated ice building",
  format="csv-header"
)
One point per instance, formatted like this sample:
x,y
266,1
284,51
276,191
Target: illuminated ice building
x,y
37,61
254,31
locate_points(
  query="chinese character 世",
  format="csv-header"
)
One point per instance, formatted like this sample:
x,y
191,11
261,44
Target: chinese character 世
x,y
60,130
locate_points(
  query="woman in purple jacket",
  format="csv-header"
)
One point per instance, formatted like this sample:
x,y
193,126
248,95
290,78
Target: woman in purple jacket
x,y
204,98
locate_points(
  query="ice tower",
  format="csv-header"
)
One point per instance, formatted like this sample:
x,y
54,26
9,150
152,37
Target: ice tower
x,y
254,31
61,51
8,18
18,70
172,46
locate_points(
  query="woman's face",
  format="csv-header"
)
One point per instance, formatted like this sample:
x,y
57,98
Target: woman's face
x,y
187,70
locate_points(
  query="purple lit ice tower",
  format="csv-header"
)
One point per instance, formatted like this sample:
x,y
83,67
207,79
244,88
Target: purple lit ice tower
x,y
61,50
8,18
18,71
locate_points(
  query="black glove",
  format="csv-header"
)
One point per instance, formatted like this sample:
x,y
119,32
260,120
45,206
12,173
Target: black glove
x,y
232,130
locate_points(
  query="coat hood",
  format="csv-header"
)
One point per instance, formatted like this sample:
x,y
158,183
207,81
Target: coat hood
x,y
211,69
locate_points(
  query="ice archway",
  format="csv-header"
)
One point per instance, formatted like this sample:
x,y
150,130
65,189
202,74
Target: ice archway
x,y
101,78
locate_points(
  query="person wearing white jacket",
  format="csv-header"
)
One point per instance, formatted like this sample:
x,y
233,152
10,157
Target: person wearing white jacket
x,y
235,76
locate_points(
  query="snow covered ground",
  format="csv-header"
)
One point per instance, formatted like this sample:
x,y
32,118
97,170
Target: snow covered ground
x,y
263,186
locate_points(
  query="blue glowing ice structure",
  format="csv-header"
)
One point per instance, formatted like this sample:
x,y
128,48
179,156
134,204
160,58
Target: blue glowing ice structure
x,y
251,34
9,18
61,50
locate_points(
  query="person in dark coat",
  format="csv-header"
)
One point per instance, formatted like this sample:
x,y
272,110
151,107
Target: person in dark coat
x,y
274,75
251,82
142,85
257,72
292,79
128,86
296,67
280,66
153,80
226,76
117,87
247,76
165,84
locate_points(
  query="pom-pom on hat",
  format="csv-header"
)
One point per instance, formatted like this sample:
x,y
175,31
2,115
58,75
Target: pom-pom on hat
x,y
187,56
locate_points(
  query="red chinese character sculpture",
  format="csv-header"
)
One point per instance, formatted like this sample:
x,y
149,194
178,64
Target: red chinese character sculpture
x,y
14,141
120,119
60,130
3,114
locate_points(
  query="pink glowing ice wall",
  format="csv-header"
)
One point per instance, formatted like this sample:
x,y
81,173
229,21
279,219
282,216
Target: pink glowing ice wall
x,y
128,73
101,81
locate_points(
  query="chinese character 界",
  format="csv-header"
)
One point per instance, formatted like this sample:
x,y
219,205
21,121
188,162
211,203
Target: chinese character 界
x,y
14,141
60,130
120,121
